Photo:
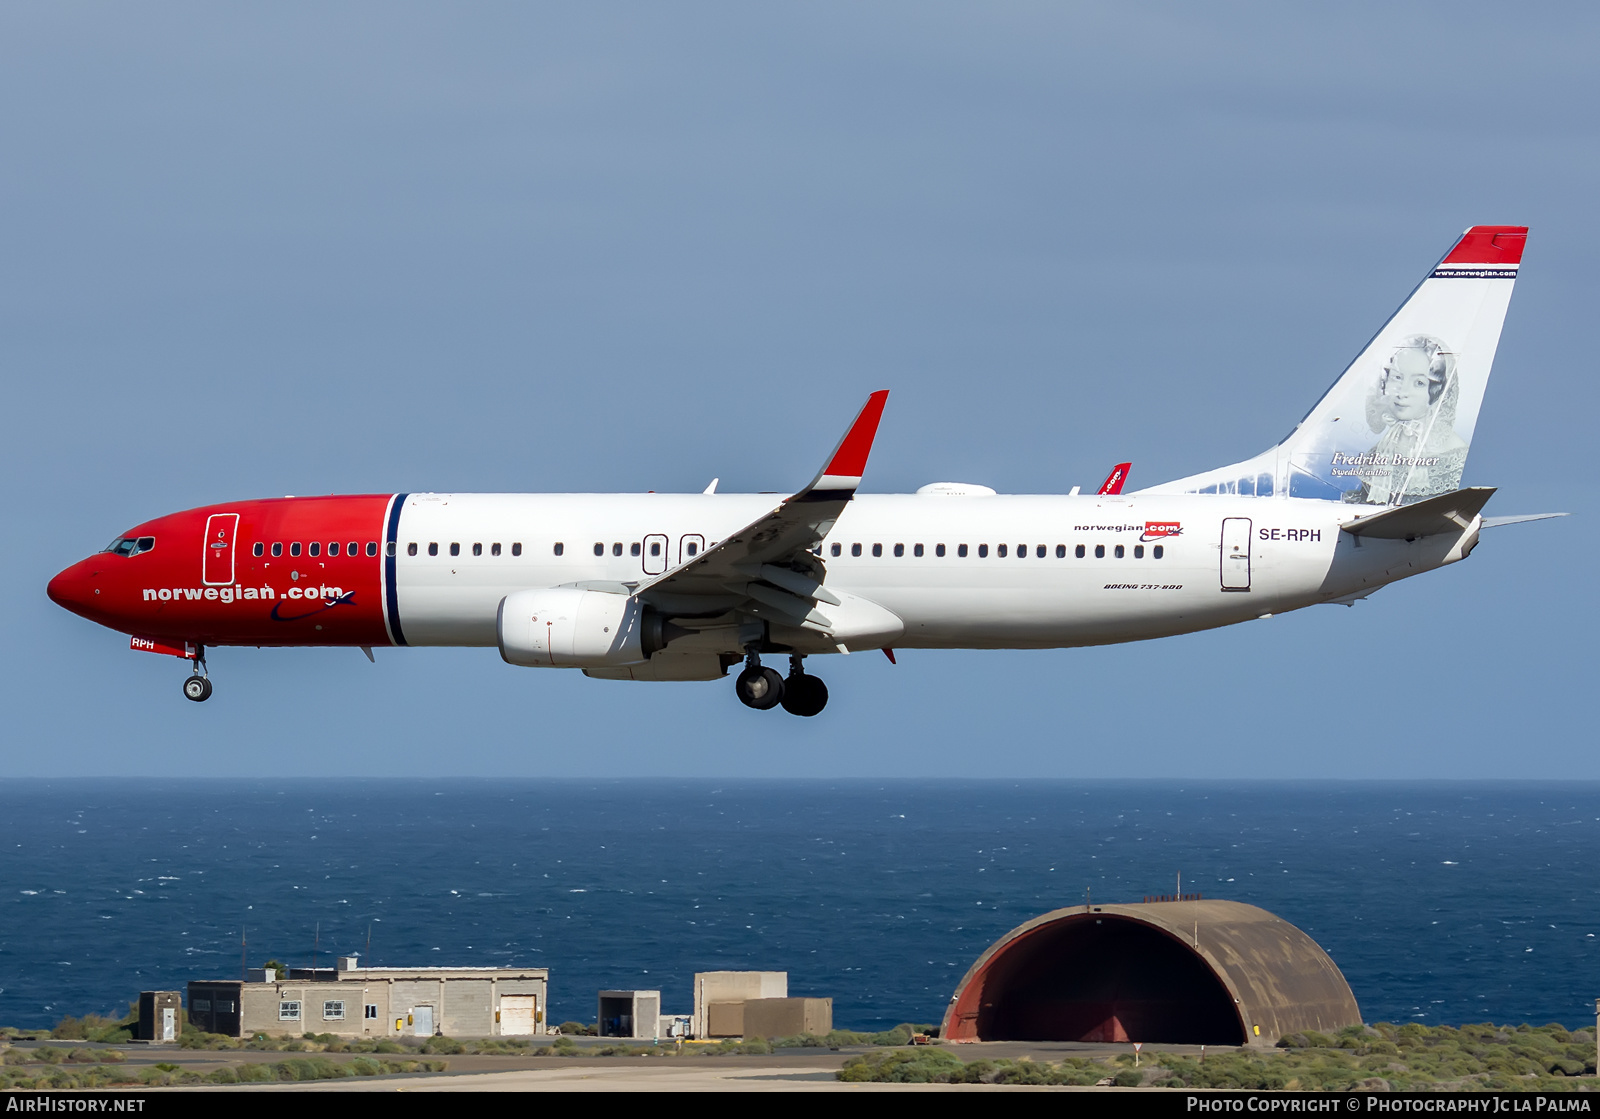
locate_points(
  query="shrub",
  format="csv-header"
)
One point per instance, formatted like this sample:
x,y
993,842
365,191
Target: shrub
x,y
441,1044
1129,1078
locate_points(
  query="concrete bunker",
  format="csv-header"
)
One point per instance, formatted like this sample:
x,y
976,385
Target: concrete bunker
x,y
1188,971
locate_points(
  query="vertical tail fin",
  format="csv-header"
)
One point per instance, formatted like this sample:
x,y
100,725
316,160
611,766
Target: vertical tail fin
x,y
1397,425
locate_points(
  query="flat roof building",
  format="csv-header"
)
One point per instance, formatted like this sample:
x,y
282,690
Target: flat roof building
x,y
354,1001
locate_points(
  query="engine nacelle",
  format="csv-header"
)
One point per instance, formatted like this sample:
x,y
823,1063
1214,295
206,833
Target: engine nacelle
x,y
564,627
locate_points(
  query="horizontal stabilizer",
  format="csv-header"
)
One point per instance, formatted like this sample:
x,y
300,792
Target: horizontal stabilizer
x,y
1447,513
1519,518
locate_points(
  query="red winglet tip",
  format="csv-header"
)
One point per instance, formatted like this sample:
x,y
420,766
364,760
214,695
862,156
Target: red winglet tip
x,y
888,652
850,460
1489,244
1114,481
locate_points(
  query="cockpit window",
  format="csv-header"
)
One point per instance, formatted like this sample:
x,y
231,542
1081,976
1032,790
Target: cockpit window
x,y
131,545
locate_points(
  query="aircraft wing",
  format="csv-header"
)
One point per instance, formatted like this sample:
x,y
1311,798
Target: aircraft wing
x,y
768,567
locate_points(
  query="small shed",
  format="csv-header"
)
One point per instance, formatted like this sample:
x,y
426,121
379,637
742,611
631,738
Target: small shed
x,y
631,1014
160,1016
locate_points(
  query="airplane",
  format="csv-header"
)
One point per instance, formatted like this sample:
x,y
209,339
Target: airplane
x,y
1363,492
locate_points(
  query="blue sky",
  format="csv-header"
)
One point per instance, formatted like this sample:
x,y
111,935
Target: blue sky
x,y
251,251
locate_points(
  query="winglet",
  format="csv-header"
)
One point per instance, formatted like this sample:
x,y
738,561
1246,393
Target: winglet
x,y
1113,483
849,459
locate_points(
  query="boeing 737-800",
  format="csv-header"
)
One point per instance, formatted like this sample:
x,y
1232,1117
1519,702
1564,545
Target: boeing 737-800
x,y
1366,490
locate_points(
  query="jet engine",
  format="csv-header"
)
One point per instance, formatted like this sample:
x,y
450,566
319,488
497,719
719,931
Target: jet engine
x,y
565,627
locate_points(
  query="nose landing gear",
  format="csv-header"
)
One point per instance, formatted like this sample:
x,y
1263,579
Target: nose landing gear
x,y
198,686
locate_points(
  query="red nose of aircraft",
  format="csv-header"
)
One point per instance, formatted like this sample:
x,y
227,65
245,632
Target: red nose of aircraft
x,y
77,589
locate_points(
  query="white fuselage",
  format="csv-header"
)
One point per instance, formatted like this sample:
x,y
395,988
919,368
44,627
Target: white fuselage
x,y
1222,559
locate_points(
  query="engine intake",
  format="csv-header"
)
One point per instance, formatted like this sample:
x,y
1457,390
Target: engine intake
x,y
564,627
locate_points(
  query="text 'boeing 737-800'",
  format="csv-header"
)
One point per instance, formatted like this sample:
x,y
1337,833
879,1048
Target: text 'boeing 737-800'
x,y
1366,490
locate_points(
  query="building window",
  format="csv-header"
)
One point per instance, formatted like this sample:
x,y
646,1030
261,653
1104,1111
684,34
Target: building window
x,y
333,1010
1138,551
289,1011
1099,551
1078,551
855,549
938,550
277,549
836,549
223,1006
494,549
372,547
1158,551
1120,551
477,549
315,549
258,549
961,551
203,1006
455,549
371,1013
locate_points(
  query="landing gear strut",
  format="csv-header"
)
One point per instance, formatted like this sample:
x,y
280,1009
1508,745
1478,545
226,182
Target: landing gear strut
x,y
757,687
198,686
802,694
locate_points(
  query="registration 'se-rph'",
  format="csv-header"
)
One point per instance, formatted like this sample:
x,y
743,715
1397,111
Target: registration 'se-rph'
x,y
1366,490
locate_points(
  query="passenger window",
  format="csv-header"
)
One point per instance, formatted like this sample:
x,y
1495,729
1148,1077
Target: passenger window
x,y
516,549
433,549
354,549
494,549
855,549
1061,551
983,551
694,548
616,549
277,549
258,548
634,549
372,547
917,550
836,548
899,551
655,547
1158,551
558,549
333,548
1138,551
455,549
1000,551
477,549
877,549
938,550
1099,551
411,549
315,549
1078,551
294,549
599,549
1119,551
1039,551
961,550
1022,551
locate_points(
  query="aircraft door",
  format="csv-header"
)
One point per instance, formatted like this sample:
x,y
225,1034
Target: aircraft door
x,y
1236,554
690,546
221,528
655,554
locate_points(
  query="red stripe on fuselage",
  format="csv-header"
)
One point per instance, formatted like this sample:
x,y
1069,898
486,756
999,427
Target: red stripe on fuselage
x,y
273,600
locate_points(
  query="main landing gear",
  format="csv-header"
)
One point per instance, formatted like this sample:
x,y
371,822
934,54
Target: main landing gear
x,y
763,689
198,686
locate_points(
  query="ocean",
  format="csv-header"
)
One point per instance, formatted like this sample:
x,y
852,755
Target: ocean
x,y
1441,902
